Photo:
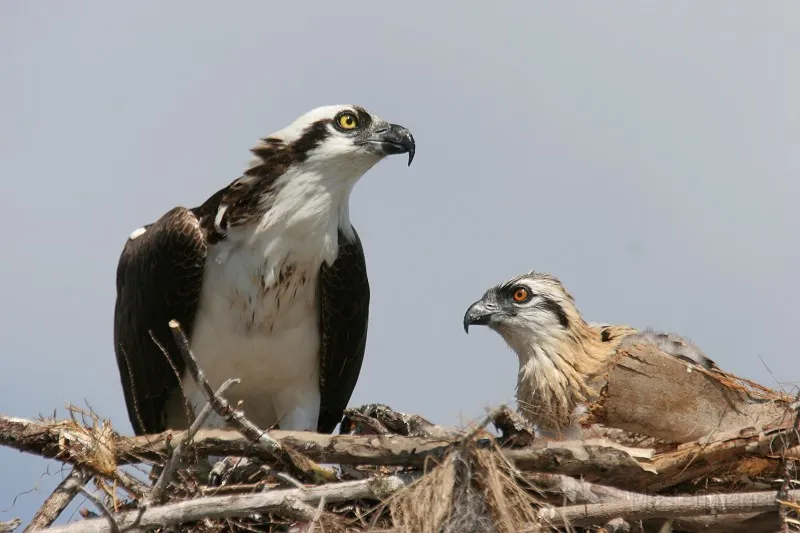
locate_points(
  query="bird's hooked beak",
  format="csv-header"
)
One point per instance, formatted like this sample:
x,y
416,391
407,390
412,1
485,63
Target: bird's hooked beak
x,y
478,314
394,139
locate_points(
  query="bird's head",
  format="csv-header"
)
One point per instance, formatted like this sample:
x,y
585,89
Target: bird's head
x,y
533,306
344,137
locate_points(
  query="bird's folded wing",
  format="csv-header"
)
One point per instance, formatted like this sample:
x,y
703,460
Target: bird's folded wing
x,y
344,311
159,278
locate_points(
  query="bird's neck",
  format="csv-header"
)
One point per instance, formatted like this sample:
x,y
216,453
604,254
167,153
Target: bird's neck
x,y
308,209
557,371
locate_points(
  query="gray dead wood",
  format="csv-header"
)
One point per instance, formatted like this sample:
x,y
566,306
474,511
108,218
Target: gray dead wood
x,y
243,505
58,500
649,392
572,489
644,506
732,523
596,460
382,420
160,486
10,525
109,519
579,491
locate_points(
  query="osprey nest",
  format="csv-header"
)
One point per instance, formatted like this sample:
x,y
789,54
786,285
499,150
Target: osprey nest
x,y
668,447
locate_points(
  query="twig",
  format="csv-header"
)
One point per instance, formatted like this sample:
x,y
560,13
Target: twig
x,y
576,490
287,455
220,405
109,519
9,526
242,504
156,495
236,487
320,510
645,506
55,504
132,486
289,479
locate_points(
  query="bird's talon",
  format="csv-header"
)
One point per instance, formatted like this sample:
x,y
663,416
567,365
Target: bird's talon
x,y
215,476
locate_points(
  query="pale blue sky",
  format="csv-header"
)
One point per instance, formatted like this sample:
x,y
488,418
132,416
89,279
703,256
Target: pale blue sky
x,y
644,152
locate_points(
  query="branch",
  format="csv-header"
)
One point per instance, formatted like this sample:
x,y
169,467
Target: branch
x,y
156,494
66,442
597,459
55,504
108,519
54,441
643,506
242,505
576,490
9,526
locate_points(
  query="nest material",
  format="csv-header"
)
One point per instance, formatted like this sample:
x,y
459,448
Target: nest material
x,y
636,470
470,481
475,490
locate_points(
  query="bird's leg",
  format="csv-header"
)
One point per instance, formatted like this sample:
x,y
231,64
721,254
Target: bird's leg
x,y
231,469
298,409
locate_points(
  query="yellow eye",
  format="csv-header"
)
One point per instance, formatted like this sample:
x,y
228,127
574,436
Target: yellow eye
x,y
520,294
348,121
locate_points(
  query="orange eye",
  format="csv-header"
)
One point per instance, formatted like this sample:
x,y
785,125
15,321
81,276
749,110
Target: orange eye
x,y
520,294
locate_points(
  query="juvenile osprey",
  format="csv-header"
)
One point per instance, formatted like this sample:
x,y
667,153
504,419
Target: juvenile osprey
x,y
559,353
267,278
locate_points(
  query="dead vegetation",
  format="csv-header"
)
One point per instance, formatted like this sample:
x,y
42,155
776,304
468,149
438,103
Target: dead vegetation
x,y
719,458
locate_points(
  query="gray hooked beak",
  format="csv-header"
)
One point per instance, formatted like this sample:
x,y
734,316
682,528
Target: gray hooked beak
x,y
395,139
478,314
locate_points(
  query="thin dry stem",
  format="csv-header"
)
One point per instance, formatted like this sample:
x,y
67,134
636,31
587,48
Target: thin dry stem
x,y
156,495
60,498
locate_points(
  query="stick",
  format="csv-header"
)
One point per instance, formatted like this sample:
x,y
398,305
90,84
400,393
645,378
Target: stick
x,y
597,459
576,490
242,505
288,456
9,526
47,439
133,486
156,495
55,504
109,519
222,407
644,506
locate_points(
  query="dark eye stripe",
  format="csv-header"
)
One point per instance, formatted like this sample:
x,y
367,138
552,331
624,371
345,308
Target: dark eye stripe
x,y
556,309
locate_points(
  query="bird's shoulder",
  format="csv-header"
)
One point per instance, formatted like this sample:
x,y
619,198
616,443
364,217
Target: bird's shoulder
x,y
672,344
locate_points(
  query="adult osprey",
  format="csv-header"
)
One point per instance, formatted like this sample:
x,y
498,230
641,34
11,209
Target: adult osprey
x,y
267,277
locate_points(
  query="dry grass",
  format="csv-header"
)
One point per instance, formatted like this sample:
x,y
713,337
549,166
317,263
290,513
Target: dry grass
x,y
475,490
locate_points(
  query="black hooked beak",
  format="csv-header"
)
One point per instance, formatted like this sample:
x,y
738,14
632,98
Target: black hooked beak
x,y
478,314
395,139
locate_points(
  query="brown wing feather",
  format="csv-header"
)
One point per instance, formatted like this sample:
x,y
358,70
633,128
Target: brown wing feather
x,y
344,313
159,277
